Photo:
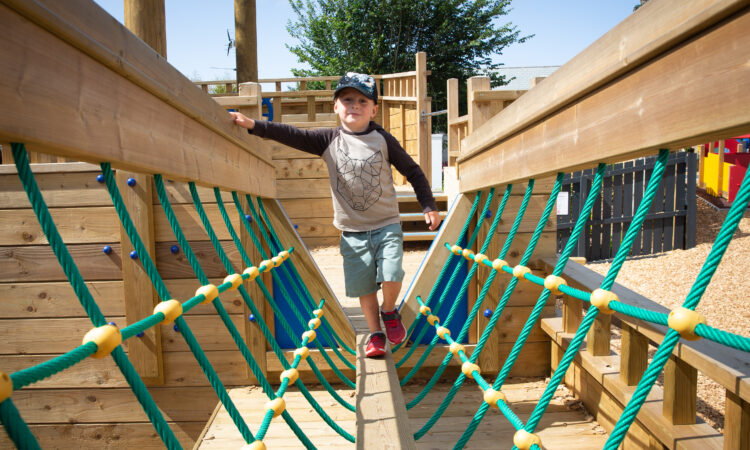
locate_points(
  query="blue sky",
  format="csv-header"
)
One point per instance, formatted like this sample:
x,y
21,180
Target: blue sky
x,y
197,36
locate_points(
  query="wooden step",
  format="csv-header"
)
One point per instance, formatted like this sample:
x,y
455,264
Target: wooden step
x,y
419,235
408,217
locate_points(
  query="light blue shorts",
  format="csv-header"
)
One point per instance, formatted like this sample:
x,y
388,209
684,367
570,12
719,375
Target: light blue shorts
x,y
371,257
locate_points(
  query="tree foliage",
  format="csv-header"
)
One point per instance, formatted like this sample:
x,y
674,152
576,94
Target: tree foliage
x,y
460,38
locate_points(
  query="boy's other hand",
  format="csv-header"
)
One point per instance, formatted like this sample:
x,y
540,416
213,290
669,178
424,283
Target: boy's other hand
x,y
432,219
242,120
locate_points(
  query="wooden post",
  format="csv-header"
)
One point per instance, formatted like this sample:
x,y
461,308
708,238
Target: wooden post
x,y
634,356
451,94
720,174
597,340
424,124
245,41
479,112
572,313
736,423
701,167
680,391
146,19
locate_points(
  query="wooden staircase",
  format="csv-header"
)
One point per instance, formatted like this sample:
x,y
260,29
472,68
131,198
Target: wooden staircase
x,y
412,218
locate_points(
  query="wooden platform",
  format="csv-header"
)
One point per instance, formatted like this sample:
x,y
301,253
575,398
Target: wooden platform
x,y
562,427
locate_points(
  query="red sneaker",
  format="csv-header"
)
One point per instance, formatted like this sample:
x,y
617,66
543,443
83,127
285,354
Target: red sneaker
x,y
375,345
394,329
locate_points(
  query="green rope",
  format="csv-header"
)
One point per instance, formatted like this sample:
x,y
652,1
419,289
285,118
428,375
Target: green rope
x,y
592,312
735,341
443,272
234,333
282,318
150,269
454,277
541,302
267,332
293,267
672,337
17,429
282,286
84,295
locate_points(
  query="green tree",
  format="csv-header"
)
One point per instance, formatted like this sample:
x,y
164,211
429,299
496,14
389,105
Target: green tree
x,y
460,37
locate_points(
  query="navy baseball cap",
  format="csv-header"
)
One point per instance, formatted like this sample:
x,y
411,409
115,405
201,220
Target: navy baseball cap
x,y
359,81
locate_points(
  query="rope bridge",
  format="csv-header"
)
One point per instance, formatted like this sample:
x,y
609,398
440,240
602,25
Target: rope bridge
x,y
106,337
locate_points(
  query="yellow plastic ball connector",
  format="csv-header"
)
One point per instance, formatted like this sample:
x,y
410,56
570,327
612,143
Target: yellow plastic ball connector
x,y
171,309
456,347
318,313
456,250
684,321
442,331
209,291
252,273
498,264
266,265
519,271
255,445
480,258
468,368
601,298
106,338
425,310
284,255
524,440
292,374
277,260
310,335
314,323
277,405
235,279
6,386
491,397
467,254
303,352
432,319
553,282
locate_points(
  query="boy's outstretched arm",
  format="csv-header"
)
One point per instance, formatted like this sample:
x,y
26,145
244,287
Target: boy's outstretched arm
x,y
432,219
242,120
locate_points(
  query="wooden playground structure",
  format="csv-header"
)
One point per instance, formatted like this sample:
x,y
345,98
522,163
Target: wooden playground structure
x,y
154,193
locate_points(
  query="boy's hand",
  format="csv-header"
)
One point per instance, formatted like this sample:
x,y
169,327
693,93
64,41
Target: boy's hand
x,y
242,120
432,219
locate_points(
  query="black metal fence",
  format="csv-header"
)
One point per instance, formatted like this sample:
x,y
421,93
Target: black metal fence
x,y
669,225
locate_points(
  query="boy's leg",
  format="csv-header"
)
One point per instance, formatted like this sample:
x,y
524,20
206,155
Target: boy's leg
x,y
391,289
369,305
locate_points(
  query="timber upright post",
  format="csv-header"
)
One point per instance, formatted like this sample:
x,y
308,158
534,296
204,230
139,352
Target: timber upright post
x,y
246,41
146,19
424,124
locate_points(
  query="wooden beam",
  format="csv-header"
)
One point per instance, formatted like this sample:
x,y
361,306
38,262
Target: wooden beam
x,y
680,391
600,125
147,20
116,100
382,421
653,29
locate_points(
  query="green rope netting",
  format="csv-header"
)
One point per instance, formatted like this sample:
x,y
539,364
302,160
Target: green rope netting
x,y
89,305
441,276
443,297
291,272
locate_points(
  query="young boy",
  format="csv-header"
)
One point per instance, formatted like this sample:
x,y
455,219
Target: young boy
x,y
359,155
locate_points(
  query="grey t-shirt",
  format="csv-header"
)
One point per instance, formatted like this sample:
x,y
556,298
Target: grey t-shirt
x,y
359,171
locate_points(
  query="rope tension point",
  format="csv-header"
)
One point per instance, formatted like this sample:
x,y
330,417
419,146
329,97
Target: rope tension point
x,y
491,397
277,405
6,386
171,309
255,445
553,282
684,321
234,279
524,440
106,338
601,298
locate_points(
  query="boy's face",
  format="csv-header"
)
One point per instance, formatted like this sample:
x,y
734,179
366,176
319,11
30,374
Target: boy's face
x,y
354,109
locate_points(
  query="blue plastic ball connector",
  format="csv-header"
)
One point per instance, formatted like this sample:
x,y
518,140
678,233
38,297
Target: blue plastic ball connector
x,y
248,217
296,226
100,178
107,249
251,317
141,334
487,312
174,249
176,328
112,323
131,182
488,214
134,255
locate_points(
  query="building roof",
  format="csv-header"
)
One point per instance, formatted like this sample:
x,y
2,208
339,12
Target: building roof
x,y
521,76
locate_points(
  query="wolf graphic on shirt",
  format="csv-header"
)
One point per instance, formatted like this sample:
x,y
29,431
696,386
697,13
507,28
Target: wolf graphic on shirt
x,y
358,180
